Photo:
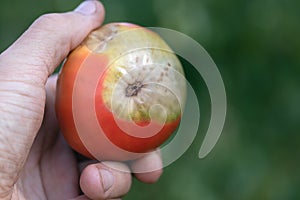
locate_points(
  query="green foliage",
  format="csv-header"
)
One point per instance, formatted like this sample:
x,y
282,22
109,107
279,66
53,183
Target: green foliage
x,y
256,46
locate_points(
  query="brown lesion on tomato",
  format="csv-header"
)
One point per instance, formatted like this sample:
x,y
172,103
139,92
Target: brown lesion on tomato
x,y
98,39
133,89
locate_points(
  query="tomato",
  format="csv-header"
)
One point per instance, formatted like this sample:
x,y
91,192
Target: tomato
x,y
118,93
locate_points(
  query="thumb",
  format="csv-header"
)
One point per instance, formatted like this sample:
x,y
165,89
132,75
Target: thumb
x,y
49,39
24,68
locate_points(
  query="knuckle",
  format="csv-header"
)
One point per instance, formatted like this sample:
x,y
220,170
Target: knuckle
x,y
50,23
46,19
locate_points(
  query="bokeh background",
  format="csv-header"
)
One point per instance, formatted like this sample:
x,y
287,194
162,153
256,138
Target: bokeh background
x,y
256,47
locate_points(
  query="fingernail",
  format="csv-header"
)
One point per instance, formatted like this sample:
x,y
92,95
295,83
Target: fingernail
x,y
107,179
87,7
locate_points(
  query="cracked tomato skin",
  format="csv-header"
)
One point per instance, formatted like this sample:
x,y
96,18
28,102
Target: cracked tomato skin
x,y
102,139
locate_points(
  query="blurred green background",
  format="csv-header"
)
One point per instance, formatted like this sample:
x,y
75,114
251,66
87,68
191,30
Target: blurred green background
x,y
256,47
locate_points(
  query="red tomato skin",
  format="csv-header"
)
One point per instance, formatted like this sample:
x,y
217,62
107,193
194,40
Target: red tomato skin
x,y
63,103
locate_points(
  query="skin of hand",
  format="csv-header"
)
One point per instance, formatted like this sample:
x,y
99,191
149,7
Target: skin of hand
x,y
35,161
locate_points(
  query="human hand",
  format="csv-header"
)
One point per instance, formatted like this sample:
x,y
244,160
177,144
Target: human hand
x,y
35,162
